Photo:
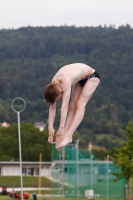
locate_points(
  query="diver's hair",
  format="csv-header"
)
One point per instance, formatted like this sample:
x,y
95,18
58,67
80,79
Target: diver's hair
x,y
51,93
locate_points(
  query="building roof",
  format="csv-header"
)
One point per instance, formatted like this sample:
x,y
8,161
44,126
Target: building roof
x,y
25,163
4,124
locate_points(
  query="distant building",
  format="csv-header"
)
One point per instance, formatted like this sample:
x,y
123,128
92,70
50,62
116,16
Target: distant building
x,y
12,168
4,124
39,125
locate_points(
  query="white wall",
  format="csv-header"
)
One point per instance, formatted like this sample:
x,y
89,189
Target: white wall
x,y
7,170
45,171
10,171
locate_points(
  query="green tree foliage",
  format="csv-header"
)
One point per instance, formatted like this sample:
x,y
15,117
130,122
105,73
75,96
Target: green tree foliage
x,y
29,57
33,142
100,154
124,156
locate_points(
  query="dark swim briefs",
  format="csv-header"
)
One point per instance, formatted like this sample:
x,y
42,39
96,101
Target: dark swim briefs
x,y
95,74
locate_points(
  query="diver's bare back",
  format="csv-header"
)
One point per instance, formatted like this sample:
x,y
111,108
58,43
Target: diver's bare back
x,y
74,72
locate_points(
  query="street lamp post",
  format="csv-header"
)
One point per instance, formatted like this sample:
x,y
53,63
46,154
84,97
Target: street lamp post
x,y
19,138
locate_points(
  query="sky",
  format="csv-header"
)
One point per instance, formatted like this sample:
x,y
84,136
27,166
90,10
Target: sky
x,y
15,14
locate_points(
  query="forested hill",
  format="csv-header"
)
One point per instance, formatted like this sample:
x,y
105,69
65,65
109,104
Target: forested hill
x,y
30,56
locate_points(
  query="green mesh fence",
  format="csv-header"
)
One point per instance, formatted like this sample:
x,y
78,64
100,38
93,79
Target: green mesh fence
x,y
75,175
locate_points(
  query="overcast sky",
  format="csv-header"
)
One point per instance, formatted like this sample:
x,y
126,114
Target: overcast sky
x,y
22,13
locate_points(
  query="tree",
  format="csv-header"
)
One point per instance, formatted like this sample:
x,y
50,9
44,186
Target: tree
x,y
100,154
124,157
33,143
29,57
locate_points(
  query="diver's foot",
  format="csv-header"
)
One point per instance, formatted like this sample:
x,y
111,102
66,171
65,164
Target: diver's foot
x,y
58,138
66,140
50,138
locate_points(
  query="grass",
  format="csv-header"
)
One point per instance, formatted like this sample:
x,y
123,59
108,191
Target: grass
x,y
48,198
32,181
28,181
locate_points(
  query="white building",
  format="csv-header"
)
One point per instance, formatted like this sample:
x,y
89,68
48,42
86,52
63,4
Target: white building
x,y
12,168
4,124
39,125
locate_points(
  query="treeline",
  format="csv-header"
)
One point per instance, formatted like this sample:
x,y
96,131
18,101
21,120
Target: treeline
x,y
29,57
33,143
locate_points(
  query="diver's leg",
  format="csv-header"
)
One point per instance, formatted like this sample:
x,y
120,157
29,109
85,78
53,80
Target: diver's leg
x,y
84,97
72,108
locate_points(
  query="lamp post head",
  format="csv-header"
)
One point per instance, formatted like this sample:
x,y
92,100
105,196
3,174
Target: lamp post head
x,y
19,99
